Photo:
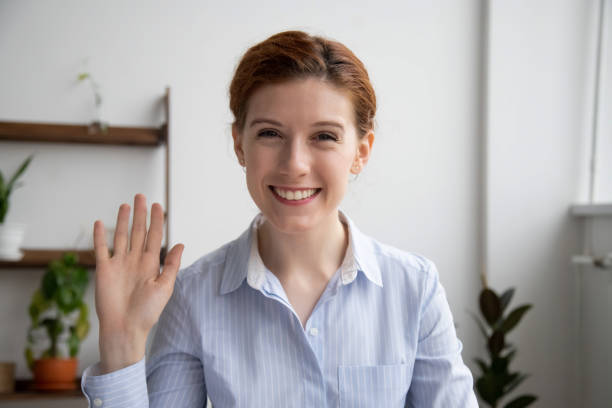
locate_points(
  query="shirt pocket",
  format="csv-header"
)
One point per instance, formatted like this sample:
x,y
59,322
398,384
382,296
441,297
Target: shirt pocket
x,y
373,386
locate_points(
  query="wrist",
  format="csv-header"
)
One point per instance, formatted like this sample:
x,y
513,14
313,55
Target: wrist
x,y
118,351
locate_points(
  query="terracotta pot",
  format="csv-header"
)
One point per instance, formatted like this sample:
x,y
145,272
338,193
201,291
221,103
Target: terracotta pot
x,y
55,373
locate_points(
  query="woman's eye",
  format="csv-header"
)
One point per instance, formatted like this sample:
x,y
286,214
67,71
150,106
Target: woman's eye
x,y
327,136
267,133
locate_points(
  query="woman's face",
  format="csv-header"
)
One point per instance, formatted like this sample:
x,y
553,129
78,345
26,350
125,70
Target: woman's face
x,y
299,144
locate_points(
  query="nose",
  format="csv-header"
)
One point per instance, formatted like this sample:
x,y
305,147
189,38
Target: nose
x,y
295,158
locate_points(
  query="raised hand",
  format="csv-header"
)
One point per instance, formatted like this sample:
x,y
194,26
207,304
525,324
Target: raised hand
x,y
130,291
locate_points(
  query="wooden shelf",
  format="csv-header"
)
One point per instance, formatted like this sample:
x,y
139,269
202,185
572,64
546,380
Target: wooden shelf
x,y
87,134
24,390
40,258
63,133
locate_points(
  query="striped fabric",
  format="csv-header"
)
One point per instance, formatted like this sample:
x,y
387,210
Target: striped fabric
x,y
381,335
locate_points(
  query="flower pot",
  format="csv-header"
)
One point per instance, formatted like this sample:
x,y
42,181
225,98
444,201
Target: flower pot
x,y
55,373
11,237
7,377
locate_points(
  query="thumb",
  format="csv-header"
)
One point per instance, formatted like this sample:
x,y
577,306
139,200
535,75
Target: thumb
x,y
171,266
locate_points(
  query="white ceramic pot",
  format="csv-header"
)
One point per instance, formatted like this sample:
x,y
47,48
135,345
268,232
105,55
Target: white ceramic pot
x,y
11,238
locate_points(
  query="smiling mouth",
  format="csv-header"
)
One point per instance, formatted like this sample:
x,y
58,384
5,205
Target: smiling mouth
x,y
295,194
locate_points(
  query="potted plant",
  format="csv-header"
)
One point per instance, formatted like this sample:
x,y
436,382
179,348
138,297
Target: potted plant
x,y
496,379
59,324
97,125
11,234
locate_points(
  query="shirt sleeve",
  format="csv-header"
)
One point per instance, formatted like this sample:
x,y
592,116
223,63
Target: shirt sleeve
x,y
172,375
440,378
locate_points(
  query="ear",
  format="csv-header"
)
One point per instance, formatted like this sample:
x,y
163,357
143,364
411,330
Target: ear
x,y
364,149
238,144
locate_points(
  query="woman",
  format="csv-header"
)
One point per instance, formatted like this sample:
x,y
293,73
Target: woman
x,y
302,310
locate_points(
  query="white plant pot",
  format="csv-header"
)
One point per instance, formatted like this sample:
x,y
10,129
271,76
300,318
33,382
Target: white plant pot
x,y
11,238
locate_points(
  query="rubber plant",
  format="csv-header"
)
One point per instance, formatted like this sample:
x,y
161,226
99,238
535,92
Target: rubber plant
x,y
497,380
58,307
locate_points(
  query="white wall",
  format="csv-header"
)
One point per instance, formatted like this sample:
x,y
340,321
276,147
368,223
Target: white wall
x,y
420,191
540,94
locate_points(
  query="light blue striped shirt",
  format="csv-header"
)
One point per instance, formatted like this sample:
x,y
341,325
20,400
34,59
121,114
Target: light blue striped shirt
x,y
381,335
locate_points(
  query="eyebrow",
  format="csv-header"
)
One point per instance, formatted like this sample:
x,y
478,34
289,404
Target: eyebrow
x,y
276,123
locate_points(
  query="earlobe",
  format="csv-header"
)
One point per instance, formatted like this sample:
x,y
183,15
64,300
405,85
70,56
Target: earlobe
x,y
238,145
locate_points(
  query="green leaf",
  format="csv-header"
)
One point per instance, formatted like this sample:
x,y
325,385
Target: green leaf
x,y
38,305
73,344
29,356
490,389
19,172
482,365
499,365
3,209
496,342
516,381
83,76
514,318
521,401
490,306
70,258
505,298
49,285
66,300
82,329
83,312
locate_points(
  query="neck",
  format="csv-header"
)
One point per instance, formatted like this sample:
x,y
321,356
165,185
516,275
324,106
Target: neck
x,y
311,256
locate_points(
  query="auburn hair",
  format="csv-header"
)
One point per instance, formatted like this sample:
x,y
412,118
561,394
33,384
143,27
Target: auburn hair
x,y
297,55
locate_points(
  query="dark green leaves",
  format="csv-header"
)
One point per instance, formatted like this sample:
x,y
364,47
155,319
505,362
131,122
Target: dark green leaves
x,y
513,318
490,306
496,379
505,298
521,402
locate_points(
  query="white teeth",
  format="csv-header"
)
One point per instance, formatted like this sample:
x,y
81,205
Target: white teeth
x,y
295,195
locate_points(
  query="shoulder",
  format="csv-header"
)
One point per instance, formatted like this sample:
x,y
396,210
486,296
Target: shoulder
x,y
408,272
409,261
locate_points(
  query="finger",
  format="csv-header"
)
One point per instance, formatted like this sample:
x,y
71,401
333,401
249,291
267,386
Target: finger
x,y
139,223
155,235
100,248
121,231
171,266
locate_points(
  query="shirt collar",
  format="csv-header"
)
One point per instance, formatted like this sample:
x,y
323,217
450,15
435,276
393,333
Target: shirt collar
x,y
244,262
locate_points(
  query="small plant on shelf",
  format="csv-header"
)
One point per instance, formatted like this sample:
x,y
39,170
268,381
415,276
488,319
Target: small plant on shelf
x,y
6,188
59,323
11,234
97,125
496,380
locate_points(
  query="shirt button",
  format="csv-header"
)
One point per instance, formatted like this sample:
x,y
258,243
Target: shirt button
x,y
314,331
98,402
